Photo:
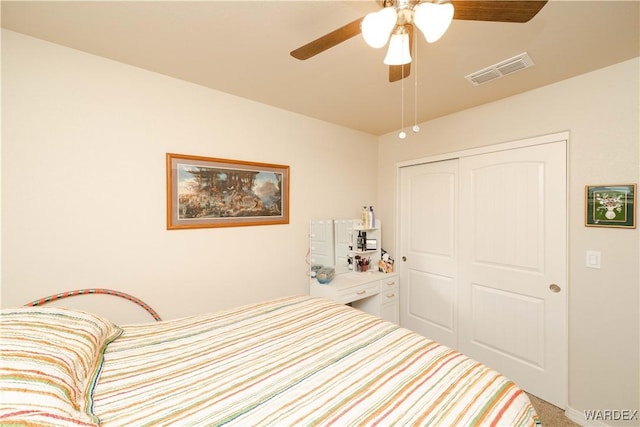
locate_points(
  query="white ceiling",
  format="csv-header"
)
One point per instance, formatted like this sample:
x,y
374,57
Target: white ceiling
x,y
242,48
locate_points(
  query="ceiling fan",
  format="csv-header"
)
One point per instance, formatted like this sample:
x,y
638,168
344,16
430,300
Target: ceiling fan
x,y
396,20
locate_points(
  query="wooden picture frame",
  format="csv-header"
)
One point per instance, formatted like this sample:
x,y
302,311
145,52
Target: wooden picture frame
x,y
206,192
610,205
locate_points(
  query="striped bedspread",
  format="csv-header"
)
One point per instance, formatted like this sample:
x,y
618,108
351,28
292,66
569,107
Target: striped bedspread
x,y
297,361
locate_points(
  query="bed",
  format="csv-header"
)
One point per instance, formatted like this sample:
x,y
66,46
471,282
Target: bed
x,y
294,361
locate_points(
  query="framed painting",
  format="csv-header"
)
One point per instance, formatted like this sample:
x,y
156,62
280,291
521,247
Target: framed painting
x,y
204,192
610,206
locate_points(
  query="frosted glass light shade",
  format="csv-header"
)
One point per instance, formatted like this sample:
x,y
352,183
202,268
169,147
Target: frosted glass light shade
x,y
377,26
398,52
433,19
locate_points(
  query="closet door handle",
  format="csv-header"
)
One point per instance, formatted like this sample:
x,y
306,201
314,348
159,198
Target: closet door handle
x,y
554,288
404,259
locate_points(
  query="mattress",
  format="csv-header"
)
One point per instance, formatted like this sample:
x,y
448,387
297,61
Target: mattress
x,y
296,361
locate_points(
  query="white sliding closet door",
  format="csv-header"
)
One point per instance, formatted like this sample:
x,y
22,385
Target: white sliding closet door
x,y
483,260
513,295
429,288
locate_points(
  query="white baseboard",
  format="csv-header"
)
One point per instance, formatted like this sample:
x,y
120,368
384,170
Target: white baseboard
x,y
578,417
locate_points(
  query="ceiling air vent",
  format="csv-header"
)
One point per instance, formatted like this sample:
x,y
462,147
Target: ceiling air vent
x,y
500,69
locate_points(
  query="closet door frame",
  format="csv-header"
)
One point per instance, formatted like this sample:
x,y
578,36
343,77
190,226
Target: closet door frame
x,y
529,142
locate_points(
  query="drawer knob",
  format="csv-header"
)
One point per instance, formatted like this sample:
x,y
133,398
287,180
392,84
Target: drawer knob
x,y
391,295
391,283
361,292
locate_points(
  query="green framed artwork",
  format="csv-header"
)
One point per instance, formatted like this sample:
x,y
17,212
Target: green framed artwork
x,y
610,206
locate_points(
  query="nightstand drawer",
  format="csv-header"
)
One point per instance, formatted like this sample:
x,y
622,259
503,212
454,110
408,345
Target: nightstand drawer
x,y
389,295
390,284
358,292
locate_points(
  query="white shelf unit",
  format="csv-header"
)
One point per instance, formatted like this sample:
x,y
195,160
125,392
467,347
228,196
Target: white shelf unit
x,y
372,234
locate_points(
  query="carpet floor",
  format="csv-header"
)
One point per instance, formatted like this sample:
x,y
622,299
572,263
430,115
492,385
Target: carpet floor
x,y
550,415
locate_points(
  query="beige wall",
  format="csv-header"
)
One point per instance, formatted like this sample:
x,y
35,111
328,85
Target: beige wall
x,y
601,112
83,184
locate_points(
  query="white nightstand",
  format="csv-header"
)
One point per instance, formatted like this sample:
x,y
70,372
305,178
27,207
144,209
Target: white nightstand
x,y
373,292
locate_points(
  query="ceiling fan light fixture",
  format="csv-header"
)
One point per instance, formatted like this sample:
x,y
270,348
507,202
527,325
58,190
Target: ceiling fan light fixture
x,y
398,53
433,19
377,26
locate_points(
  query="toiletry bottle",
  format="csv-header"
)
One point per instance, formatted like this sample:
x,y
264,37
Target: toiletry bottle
x,y
364,217
372,218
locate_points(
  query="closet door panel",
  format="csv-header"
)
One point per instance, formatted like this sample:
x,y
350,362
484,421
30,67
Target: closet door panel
x,y
431,300
428,269
512,280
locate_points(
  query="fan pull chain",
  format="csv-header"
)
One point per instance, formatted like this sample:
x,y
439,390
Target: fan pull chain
x,y
402,134
415,128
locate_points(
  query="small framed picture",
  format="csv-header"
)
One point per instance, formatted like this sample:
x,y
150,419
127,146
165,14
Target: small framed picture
x,y
610,206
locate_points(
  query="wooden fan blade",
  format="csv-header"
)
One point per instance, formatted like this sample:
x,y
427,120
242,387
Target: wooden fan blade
x,y
328,40
497,10
399,72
